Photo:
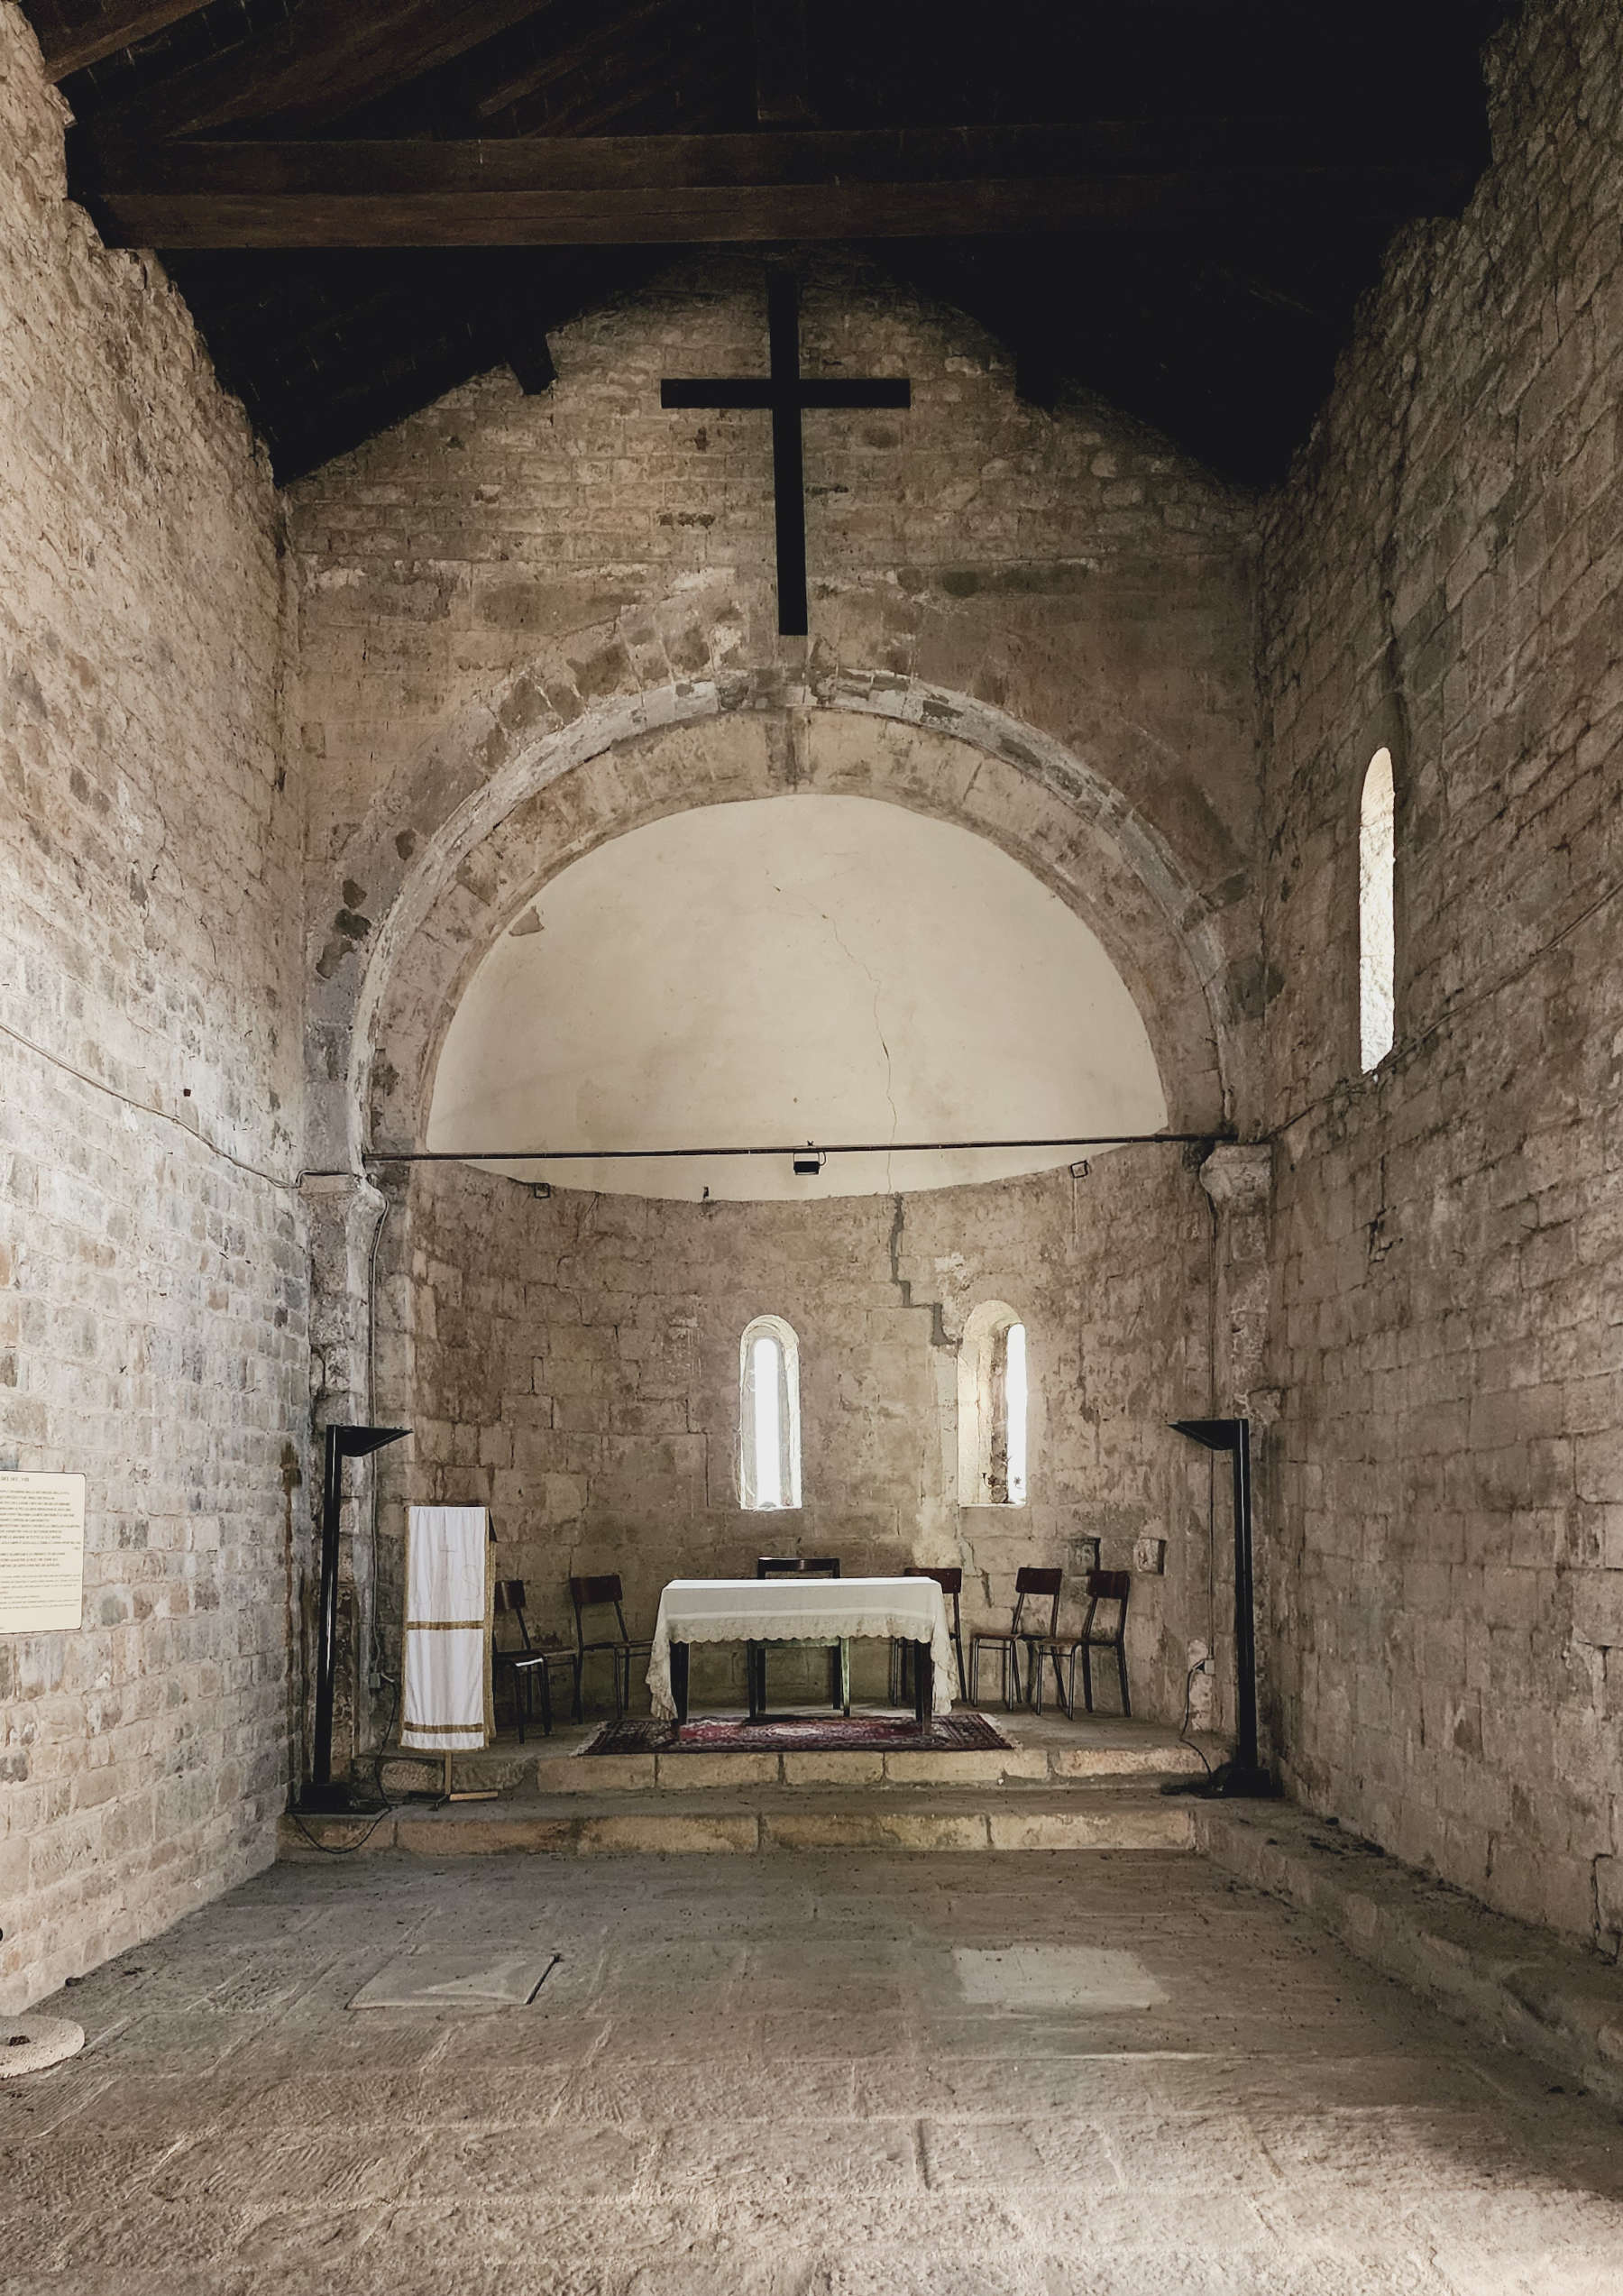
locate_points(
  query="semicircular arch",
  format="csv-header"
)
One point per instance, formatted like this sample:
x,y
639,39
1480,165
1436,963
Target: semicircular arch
x,y
908,745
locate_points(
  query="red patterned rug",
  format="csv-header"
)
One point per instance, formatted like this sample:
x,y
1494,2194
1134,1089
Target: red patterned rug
x,y
801,1734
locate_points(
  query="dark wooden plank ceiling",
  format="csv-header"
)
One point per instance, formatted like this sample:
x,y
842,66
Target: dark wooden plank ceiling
x,y
1175,203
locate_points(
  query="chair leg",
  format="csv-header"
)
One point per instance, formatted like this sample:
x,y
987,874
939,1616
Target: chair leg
x,y
1121,1651
546,1711
1034,1680
1011,1667
1070,1699
577,1706
957,1645
520,1699
1087,1679
974,1674
1059,1682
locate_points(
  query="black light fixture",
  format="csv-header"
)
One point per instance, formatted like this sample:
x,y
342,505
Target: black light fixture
x,y
809,1162
1244,1775
343,1442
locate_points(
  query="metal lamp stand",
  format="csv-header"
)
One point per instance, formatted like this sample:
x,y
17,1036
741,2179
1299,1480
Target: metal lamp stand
x,y
321,1792
1244,1775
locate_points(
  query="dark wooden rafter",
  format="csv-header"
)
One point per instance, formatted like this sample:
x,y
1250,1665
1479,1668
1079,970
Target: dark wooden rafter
x,y
1193,256
612,66
783,64
676,189
72,38
326,60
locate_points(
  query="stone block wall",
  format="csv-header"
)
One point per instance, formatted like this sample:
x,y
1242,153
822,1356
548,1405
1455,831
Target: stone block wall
x,y
572,1362
502,575
1443,576
153,1271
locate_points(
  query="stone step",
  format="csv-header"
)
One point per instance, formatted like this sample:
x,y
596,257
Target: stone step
x,y
1138,1752
1104,1818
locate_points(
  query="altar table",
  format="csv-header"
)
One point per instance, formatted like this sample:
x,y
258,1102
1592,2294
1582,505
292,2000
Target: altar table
x,y
799,1610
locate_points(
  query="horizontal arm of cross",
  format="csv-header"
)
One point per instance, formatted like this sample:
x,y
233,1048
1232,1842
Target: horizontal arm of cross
x,y
745,390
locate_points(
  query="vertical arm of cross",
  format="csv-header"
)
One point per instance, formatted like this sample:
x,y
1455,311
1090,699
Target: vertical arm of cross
x,y
783,326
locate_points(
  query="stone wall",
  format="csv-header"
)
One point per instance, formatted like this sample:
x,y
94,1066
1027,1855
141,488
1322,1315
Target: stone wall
x,y
153,1275
503,588
1442,576
572,1362
526,624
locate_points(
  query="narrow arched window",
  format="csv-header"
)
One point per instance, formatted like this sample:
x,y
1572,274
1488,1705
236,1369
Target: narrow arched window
x,y
994,1397
1377,923
769,1460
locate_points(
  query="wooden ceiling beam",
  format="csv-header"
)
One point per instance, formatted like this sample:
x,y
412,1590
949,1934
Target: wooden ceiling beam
x,y
73,39
323,61
783,64
681,189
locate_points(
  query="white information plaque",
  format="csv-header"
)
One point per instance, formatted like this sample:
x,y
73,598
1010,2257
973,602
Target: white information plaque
x,y
42,1552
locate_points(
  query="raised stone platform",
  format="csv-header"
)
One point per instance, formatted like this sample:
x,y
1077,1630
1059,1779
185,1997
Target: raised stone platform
x,y
1090,1785
1522,1988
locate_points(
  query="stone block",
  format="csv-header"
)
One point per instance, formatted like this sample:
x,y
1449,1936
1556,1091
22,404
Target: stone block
x,y
689,1772
870,1829
669,1833
974,1767
833,1770
1163,1826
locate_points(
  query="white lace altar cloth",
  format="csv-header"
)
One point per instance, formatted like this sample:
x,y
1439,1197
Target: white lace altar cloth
x,y
800,1609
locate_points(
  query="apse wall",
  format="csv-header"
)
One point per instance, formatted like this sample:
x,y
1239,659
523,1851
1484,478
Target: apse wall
x,y
572,1362
1442,577
153,1271
503,577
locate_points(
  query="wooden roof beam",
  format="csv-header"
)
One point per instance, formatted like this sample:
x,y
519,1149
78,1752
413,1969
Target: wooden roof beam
x,y
683,190
72,39
326,60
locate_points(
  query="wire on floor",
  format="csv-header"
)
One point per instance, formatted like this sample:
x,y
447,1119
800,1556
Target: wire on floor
x,y
1184,1738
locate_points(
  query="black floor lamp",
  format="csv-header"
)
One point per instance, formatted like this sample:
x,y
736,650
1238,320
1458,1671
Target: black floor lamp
x,y
343,1442
1244,1775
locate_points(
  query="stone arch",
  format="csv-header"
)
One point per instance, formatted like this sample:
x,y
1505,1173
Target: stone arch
x,y
551,797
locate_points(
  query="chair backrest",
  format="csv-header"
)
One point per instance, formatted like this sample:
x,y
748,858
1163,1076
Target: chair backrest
x,y
1108,1586
950,1580
1031,1584
797,1567
510,1602
587,1594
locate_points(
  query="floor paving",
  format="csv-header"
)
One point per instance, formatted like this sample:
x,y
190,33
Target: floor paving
x,y
1051,2074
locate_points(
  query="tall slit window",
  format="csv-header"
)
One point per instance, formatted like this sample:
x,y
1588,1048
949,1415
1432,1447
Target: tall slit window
x,y
1377,922
993,1401
769,1461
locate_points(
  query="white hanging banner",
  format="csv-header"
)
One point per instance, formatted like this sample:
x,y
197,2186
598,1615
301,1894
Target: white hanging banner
x,y
41,1553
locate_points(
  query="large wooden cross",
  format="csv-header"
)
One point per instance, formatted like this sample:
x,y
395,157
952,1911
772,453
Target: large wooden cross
x,y
787,391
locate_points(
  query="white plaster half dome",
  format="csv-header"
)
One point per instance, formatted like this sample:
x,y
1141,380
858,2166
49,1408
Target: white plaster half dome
x,y
816,969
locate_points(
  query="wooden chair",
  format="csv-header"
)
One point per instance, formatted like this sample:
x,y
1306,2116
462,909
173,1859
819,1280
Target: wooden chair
x,y
839,1653
1030,1585
600,1592
528,1663
1099,1586
951,1583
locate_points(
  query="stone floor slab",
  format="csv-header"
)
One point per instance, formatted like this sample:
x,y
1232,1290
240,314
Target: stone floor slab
x,y
761,2076
458,1977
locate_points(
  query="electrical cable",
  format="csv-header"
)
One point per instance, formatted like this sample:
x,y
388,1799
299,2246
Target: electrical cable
x,y
1184,1738
288,1186
379,1754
